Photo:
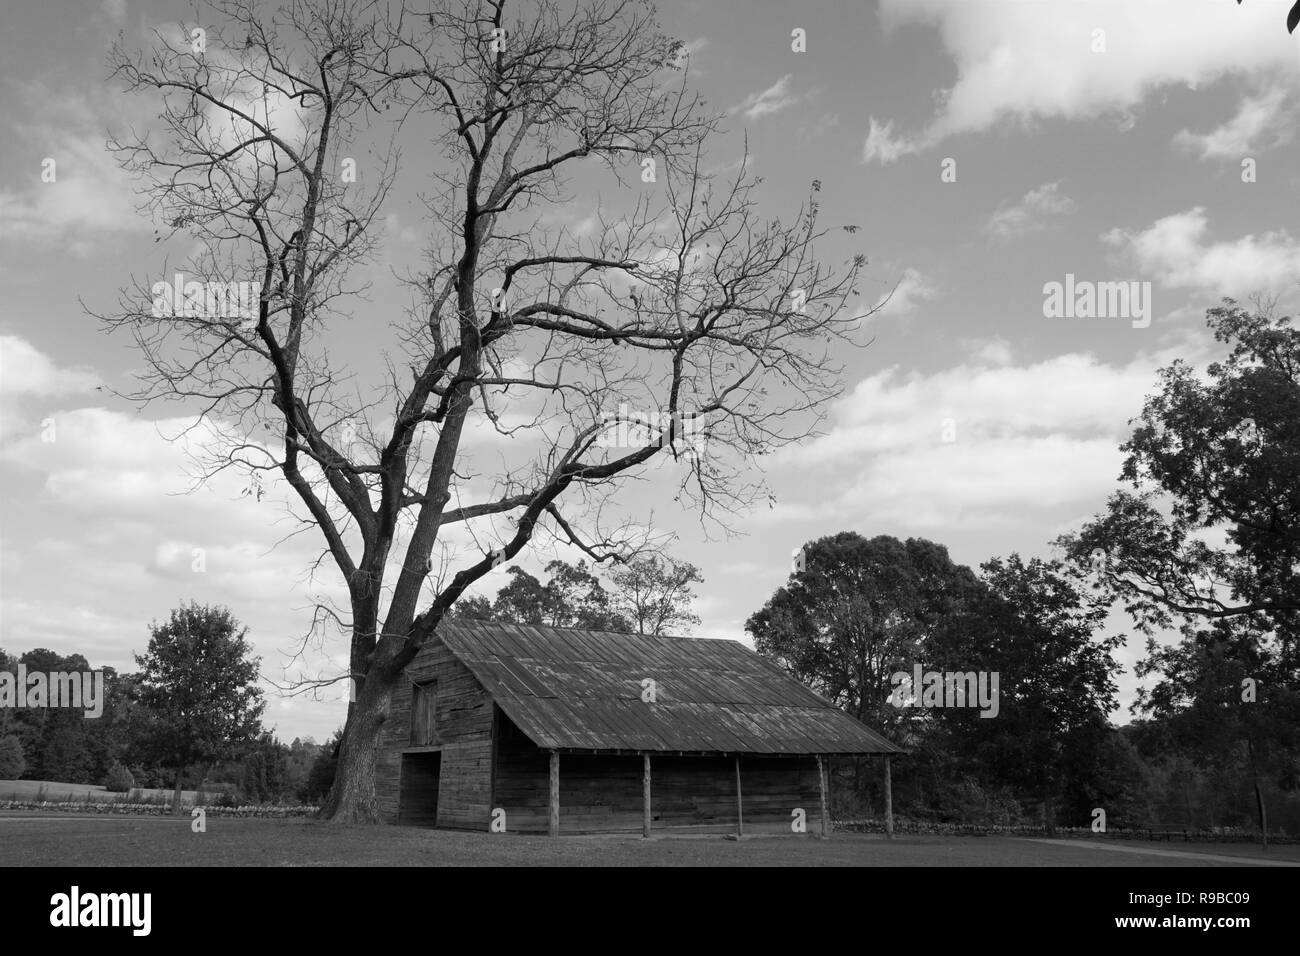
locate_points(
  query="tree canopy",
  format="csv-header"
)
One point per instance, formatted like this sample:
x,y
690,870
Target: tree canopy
x,y
200,687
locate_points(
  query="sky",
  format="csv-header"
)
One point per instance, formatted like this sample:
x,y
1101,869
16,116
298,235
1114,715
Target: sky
x,y
984,148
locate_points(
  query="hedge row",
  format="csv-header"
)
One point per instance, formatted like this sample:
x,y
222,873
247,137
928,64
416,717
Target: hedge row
x,y
154,809
915,827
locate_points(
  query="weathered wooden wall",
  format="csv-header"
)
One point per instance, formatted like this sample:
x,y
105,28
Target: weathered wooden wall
x,y
603,792
463,732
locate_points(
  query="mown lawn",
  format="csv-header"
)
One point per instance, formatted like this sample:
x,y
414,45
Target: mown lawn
x,y
34,839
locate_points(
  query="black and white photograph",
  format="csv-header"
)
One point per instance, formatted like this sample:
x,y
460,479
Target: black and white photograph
x,y
617,434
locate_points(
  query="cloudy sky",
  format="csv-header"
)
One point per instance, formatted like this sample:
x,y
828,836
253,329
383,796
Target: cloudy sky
x,y
985,148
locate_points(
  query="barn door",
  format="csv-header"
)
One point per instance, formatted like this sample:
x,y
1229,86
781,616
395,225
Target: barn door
x,y
417,800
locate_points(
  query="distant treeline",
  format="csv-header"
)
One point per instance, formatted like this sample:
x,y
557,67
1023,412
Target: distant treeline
x,y
120,749
1213,744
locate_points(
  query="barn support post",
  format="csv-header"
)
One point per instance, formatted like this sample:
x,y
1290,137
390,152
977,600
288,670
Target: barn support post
x,y
553,827
889,798
740,803
822,784
645,797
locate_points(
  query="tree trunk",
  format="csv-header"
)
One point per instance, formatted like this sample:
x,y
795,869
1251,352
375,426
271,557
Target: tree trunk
x,y
203,778
352,799
1259,794
176,796
1263,815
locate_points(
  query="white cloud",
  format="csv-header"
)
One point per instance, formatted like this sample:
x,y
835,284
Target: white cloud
x,y
824,123
396,231
1262,122
883,146
1033,61
1031,213
115,10
979,445
90,197
991,351
909,292
28,377
1175,251
771,100
25,371
115,534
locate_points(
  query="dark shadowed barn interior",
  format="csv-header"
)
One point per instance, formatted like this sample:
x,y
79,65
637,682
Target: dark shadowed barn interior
x,y
559,730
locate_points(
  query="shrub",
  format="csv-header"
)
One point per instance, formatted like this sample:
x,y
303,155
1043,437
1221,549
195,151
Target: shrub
x,y
321,777
119,779
148,778
12,761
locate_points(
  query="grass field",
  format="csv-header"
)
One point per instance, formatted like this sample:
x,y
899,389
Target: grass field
x,y
33,839
79,792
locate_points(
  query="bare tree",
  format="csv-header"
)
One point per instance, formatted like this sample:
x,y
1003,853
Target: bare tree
x,y
682,332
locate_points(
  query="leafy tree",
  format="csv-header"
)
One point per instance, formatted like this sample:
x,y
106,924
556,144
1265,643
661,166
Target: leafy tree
x,y
859,611
199,685
1220,455
12,761
572,597
580,600
654,593
1208,539
109,737
473,607
265,777
1114,777
523,600
1230,700
55,739
1038,631
862,610
301,755
321,778
118,779
6,715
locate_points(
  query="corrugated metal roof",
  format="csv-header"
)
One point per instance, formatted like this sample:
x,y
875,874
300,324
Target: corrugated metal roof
x,y
576,689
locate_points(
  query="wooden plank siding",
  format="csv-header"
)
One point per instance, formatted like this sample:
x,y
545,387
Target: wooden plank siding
x,y
605,792
462,732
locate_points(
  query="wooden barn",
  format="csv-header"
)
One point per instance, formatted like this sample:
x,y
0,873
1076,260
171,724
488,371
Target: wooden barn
x,y
557,730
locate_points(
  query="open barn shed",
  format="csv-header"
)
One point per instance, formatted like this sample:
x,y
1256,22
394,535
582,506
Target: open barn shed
x,y
558,730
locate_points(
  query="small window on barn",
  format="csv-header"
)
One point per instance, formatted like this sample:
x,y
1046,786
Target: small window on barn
x,y
424,701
